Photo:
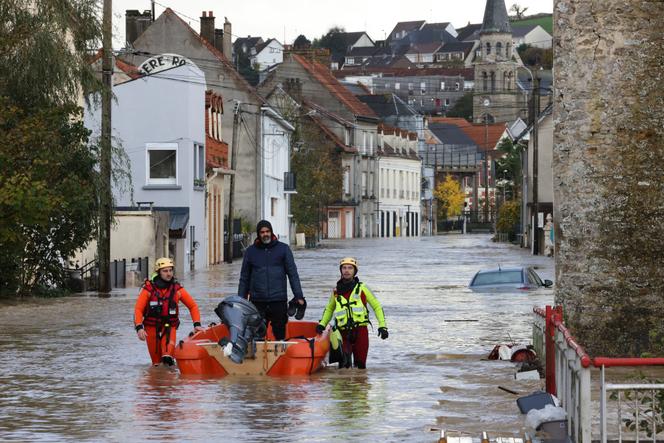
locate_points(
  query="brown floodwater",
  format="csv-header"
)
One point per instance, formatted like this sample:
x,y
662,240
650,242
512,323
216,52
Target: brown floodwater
x,y
72,369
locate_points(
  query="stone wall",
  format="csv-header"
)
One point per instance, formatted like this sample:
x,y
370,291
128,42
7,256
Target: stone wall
x,y
609,172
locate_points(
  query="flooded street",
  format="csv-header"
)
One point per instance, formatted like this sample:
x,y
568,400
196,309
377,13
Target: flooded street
x,y
73,369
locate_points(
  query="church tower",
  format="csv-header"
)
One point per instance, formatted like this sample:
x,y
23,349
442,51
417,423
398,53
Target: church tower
x,y
496,95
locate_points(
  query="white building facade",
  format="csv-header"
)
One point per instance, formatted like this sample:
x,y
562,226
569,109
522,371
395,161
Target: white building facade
x,y
277,182
267,54
159,121
399,173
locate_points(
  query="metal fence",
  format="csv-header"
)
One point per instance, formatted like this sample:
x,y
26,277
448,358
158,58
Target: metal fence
x,y
142,266
633,411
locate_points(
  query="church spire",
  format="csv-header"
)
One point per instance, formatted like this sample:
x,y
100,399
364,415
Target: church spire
x,y
495,18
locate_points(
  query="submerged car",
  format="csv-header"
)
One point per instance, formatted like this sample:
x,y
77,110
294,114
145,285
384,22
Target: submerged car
x,y
524,279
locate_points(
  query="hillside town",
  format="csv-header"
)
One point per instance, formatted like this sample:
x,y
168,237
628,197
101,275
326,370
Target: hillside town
x,y
391,120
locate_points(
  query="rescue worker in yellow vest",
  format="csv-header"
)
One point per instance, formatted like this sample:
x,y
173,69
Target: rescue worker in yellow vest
x,y
156,313
348,306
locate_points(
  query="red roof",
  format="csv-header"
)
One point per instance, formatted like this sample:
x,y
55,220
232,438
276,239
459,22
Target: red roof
x,y
477,132
324,76
129,69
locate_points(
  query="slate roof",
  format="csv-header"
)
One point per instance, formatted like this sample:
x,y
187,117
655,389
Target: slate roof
x,y
386,105
495,18
406,26
249,41
451,134
470,32
475,132
323,75
466,73
261,46
351,38
363,51
356,88
464,47
522,30
430,35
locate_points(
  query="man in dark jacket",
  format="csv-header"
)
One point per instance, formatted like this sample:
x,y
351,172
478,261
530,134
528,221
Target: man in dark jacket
x,y
265,266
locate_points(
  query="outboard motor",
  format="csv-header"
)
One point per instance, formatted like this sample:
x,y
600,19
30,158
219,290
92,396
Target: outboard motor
x,y
244,323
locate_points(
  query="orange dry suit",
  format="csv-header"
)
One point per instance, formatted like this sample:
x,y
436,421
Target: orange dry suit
x,y
157,311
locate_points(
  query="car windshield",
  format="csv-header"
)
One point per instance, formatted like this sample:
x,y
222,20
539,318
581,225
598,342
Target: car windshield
x,y
492,278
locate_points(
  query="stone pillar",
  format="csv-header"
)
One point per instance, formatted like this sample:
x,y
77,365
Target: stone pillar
x,y
608,168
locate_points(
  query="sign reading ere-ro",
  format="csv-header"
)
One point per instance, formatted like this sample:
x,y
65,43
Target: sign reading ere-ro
x,y
162,62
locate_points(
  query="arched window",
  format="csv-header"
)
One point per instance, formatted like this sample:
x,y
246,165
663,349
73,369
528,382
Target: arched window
x,y
508,51
485,81
510,84
488,48
493,81
506,85
499,49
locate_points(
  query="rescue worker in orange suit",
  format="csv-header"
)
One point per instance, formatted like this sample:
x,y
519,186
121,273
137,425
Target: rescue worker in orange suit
x,y
348,306
156,312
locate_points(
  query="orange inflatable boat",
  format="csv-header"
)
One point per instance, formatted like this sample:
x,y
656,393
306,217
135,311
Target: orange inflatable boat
x,y
303,352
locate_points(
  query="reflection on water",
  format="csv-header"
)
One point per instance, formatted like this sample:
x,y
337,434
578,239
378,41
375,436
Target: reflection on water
x,y
72,369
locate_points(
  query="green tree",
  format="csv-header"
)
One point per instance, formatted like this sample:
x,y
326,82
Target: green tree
x,y
536,57
463,108
509,165
48,181
509,215
246,69
44,50
301,42
450,198
316,162
333,41
48,194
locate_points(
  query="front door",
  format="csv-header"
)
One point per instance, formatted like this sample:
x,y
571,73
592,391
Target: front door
x,y
333,228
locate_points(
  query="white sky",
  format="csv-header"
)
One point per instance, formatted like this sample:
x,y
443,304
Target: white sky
x,y
270,18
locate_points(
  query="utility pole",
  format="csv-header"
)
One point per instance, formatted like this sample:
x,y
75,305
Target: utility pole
x,y
231,197
486,168
536,100
105,196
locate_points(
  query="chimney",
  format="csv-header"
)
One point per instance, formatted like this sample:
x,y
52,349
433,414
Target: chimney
x,y
207,27
136,23
219,40
227,47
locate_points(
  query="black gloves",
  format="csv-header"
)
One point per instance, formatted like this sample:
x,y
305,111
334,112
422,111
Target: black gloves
x,y
382,333
296,309
319,329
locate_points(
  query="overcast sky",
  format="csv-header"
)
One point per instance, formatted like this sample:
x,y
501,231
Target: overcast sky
x,y
290,18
